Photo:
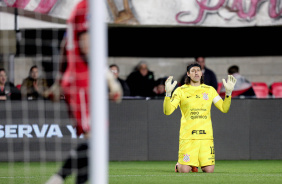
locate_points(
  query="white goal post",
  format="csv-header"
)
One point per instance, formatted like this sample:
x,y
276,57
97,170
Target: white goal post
x,y
98,172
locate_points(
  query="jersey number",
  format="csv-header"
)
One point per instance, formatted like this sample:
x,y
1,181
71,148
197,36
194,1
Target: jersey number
x,y
212,149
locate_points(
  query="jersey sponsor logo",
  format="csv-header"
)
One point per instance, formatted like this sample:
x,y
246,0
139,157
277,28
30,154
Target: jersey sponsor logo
x,y
205,96
199,109
194,113
197,96
198,117
186,158
188,96
198,132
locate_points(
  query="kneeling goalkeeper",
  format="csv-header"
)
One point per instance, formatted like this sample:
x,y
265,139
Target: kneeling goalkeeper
x,y
196,146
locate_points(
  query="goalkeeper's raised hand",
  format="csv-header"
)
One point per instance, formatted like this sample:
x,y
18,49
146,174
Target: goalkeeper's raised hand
x,y
169,86
229,85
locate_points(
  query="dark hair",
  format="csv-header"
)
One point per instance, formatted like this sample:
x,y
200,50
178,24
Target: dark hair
x,y
196,57
2,69
192,65
30,70
233,69
188,79
114,65
160,81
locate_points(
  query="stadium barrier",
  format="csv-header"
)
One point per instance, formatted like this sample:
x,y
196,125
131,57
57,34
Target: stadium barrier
x,y
42,131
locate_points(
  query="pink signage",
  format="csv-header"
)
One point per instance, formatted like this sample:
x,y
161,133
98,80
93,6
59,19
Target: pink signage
x,y
219,13
237,7
45,6
17,3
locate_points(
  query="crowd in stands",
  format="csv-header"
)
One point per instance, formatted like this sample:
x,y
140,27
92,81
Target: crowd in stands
x,y
8,91
243,86
31,88
141,82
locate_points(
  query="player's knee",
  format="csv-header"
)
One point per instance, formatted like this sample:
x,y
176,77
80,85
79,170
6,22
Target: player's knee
x,y
184,168
208,169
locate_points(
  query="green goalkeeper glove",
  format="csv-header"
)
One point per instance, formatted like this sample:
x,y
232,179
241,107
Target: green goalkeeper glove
x,y
168,86
229,85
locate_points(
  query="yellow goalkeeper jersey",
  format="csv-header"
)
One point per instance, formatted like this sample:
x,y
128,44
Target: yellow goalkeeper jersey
x,y
195,105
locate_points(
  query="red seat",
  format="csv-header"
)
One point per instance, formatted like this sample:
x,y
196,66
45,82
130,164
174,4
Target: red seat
x,y
261,89
235,93
276,89
18,86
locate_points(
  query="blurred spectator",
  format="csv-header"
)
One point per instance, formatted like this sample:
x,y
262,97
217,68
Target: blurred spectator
x,y
159,88
209,75
33,87
8,91
115,70
243,87
141,81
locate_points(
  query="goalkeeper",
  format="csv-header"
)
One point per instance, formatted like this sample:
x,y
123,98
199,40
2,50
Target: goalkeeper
x,y
196,146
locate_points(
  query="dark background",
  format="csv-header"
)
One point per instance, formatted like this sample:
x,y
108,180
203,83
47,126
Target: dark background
x,y
168,41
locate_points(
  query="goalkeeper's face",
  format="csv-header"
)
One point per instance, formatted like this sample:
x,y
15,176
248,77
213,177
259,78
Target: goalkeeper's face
x,y
195,73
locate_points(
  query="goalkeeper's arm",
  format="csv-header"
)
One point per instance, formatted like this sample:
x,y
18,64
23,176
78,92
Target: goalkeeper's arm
x,y
224,106
168,106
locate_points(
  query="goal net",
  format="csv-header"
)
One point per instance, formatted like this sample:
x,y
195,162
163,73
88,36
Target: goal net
x,y
36,134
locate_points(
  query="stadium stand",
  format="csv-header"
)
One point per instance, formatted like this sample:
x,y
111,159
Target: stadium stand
x,y
261,89
276,89
219,86
234,93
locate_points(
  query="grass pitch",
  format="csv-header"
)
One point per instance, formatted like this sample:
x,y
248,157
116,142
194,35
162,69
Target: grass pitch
x,y
153,172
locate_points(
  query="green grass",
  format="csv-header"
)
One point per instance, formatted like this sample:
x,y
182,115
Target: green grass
x,y
154,172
